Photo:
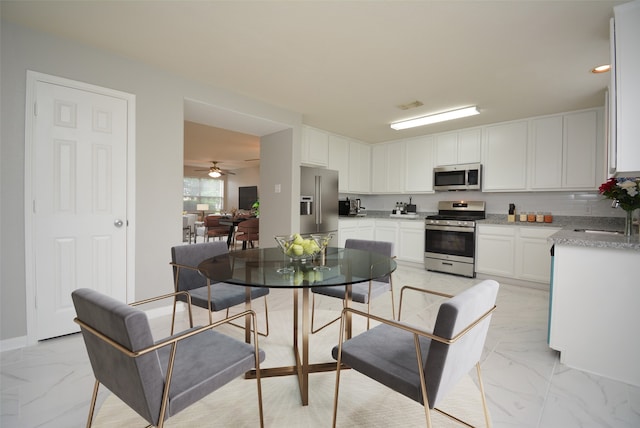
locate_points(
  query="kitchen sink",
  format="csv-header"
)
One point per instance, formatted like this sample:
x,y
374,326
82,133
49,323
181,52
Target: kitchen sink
x,y
599,231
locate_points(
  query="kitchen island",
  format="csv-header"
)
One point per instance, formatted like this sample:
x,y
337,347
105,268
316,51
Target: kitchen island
x,y
593,317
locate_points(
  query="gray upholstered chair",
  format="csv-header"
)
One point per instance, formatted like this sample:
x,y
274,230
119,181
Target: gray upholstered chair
x,y
419,363
158,379
363,292
219,296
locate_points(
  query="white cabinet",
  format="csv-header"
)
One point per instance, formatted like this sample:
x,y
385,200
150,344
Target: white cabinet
x,y
564,153
355,229
387,168
410,245
533,253
495,250
359,167
504,157
315,147
519,252
352,160
387,230
418,153
595,297
545,153
339,160
458,147
626,89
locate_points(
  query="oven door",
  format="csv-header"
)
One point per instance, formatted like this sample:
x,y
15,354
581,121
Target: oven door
x,y
450,242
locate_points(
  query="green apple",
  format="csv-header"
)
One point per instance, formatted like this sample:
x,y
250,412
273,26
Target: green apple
x,y
297,249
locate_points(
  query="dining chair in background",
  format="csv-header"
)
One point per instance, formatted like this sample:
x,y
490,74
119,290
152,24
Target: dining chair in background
x,y
159,379
213,228
216,297
248,232
417,362
362,292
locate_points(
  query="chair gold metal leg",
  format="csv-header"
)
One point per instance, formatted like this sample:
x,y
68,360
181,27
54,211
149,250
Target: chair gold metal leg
x,y
484,399
92,406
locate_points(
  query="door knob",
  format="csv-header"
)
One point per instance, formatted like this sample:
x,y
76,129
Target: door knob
x,y
118,223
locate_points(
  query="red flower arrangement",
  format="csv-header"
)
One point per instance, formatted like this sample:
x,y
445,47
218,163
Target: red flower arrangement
x,y
625,190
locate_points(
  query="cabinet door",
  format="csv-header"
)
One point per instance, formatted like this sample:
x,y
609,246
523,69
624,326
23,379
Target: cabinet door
x,y
387,230
411,242
469,144
387,168
580,148
315,146
627,86
359,167
366,230
533,252
545,153
347,229
504,157
495,249
446,149
339,160
419,165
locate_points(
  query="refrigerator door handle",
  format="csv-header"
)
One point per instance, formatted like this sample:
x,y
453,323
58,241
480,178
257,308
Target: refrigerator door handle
x,y
318,199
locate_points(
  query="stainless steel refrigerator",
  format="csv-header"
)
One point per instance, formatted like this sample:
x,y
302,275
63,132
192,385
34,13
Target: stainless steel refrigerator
x,y
319,201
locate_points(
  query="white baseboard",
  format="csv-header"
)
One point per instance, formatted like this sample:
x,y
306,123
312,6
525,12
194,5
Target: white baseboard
x,y
13,343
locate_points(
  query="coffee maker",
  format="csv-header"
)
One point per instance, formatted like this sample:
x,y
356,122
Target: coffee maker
x,y
349,207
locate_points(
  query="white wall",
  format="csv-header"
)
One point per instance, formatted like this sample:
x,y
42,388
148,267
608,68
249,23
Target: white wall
x,y
159,153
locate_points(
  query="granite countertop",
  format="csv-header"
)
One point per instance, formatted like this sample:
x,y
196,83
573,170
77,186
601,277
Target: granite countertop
x,y
566,236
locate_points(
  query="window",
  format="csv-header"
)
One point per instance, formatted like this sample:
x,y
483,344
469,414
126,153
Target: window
x,y
203,191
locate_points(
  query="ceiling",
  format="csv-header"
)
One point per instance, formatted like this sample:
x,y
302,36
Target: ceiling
x,y
346,66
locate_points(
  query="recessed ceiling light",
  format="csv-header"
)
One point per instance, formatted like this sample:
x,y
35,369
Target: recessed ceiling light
x,y
601,68
434,118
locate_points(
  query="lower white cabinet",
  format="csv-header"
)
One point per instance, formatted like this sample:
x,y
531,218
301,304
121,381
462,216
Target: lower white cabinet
x,y
410,245
519,252
407,236
355,229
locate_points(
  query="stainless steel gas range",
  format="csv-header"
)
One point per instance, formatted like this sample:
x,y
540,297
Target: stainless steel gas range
x,y
450,237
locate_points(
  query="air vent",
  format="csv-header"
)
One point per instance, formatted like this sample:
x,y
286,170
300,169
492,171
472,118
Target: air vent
x,y
411,105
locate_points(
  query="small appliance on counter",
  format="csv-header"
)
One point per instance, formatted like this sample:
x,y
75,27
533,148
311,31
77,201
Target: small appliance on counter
x,y
351,208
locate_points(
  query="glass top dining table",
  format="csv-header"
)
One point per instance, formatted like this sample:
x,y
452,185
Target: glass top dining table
x,y
269,267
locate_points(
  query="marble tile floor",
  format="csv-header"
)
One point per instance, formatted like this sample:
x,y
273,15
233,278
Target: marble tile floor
x,y
49,385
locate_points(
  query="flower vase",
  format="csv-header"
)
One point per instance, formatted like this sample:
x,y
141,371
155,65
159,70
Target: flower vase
x,y
628,223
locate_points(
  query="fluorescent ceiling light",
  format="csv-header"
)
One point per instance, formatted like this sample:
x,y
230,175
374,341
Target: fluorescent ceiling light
x,y
434,118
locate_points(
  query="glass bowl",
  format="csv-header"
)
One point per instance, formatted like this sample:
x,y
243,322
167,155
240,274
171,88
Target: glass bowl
x,y
297,247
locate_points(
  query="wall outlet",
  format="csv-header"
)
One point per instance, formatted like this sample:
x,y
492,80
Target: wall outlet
x,y
277,188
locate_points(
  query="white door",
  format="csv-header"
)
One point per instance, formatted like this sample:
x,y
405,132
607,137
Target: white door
x,y
79,190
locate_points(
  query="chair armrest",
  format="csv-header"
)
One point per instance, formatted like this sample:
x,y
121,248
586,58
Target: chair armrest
x,y
411,329
420,290
172,339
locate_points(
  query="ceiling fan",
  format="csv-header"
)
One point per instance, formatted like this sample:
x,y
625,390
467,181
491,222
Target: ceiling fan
x,y
215,171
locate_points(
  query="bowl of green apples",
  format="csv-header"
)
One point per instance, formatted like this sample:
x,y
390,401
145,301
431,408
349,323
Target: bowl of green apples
x,y
297,247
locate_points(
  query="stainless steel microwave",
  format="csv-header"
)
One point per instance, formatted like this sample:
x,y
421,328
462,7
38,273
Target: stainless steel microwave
x,y
457,177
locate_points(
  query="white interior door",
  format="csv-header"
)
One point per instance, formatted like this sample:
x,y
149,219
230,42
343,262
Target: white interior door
x,y
79,189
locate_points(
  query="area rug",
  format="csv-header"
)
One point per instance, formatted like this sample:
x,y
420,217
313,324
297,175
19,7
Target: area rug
x,y
362,402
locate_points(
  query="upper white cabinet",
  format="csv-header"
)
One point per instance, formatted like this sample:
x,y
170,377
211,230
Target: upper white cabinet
x,y
458,147
504,157
565,150
359,167
315,147
418,154
339,160
580,150
352,160
387,168
625,90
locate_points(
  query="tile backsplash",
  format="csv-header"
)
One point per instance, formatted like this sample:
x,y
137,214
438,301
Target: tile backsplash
x,y
557,203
